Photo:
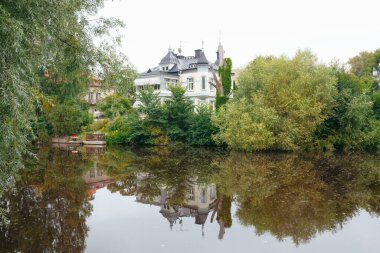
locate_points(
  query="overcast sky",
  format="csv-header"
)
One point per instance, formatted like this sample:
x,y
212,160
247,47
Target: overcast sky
x,y
330,28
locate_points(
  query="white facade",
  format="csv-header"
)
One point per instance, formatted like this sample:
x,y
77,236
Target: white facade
x,y
194,73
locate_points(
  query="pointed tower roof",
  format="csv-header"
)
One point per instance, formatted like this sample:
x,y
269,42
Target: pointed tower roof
x,y
202,58
219,55
169,58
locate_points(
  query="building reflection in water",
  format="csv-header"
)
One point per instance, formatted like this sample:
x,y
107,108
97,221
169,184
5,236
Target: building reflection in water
x,y
286,195
96,179
199,201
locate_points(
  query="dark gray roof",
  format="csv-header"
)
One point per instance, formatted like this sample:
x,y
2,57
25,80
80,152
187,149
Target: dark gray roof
x,y
180,63
156,71
169,58
174,69
217,63
186,62
202,58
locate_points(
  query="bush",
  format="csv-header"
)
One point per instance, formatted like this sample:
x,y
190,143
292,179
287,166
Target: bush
x,y
97,126
69,117
114,106
201,129
351,125
128,130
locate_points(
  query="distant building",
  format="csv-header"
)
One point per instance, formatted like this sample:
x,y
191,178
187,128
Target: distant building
x,y
95,94
95,180
192,72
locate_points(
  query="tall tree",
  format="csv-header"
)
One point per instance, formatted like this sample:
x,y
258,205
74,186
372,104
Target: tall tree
x,y
278,105
363,63
352,123
179,110
44,39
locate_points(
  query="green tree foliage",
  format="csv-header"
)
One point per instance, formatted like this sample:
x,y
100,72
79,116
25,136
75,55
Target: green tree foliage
x,y
363,63
128,130
279,104
225,74
151,109
376,104
48,46
351,124
114,105
154,123
117,73
179,110
68,118
154,118
201,128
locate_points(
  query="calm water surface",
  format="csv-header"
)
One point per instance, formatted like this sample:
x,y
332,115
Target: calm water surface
x,y
192,200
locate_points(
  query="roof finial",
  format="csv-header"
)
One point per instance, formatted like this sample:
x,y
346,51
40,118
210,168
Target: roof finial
x,y
203,44
220,37
180,47
170,47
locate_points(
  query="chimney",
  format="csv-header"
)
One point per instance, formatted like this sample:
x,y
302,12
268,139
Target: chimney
x,y
198,53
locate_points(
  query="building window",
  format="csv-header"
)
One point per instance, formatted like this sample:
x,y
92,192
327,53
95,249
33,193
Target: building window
x,y
156,86
92,173
203,83
98,96
91,96
190,84
167,81
190,196
193,65
204,196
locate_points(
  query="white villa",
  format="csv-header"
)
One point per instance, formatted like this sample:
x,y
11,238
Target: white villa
x,y
193,72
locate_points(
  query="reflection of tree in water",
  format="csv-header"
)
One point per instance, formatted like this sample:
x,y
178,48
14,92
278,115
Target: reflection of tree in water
x,y
176,168
223,211
168,177
298,196
48,206
286,195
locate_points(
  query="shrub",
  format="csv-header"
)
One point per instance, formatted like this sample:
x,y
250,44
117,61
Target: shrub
x,y
114,105
201,129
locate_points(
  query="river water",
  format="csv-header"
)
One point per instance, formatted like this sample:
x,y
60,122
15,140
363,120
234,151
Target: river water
x,y
182,199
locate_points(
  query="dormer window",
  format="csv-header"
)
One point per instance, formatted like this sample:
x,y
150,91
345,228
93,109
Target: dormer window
x,y
193,65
